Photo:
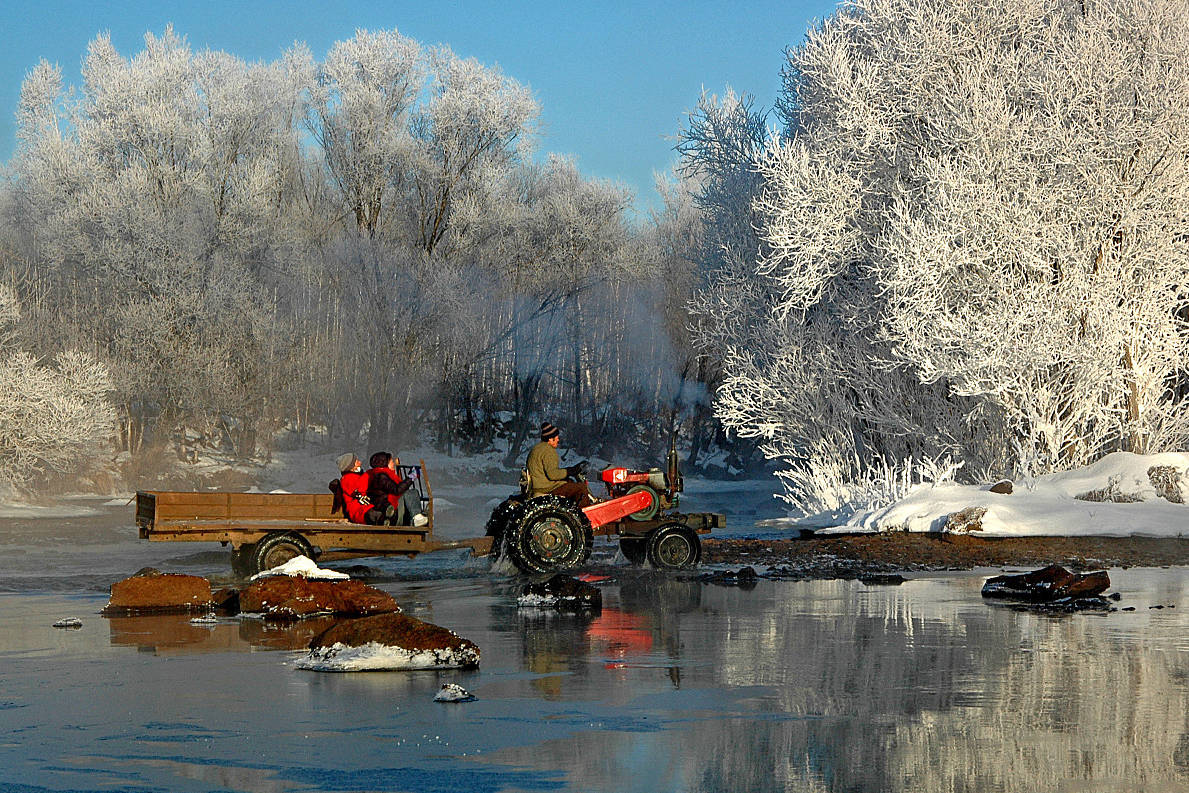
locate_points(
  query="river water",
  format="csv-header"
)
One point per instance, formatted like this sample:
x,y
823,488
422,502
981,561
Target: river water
x,y
673,686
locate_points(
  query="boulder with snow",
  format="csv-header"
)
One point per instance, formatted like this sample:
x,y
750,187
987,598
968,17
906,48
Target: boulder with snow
x,y
388,642
282,597
150,591
1003,487
1048,584
561,592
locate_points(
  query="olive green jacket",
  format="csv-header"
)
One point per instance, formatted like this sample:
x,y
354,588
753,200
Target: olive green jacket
x,y
545,473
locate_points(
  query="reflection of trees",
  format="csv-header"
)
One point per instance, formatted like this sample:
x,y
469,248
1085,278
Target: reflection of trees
x,y
897,690
1077,706
836,686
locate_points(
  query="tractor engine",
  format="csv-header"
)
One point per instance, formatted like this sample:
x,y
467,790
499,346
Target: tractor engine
x,y
663,485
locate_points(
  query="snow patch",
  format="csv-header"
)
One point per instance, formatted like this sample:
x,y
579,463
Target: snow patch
x,y
1047,506
376,657
304,567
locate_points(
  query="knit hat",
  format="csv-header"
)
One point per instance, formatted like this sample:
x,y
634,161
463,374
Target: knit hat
x,y
344,461
549,431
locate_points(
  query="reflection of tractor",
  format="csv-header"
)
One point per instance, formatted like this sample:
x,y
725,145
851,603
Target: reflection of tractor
x,y
548,533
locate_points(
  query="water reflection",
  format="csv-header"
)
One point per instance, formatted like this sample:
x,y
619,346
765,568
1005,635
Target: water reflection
x,y
922,687
826,685
175,633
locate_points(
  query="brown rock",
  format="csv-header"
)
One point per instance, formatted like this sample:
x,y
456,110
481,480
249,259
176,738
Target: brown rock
x,y
1003,486
1047,584
400,631
966,520
153,592
282,597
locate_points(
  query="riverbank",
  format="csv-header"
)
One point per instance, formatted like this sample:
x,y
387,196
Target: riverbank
x,y
841,556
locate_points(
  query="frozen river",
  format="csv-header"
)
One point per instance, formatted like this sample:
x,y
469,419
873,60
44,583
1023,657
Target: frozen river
x,y
674,686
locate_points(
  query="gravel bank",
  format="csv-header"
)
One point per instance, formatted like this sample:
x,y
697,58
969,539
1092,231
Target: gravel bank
x,y
851,555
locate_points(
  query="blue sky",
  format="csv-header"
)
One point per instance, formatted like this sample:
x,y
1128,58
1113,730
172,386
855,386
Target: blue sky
x,y
615,79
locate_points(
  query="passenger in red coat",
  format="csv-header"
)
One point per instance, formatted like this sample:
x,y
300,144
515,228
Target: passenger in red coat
x,y
351,492
387,487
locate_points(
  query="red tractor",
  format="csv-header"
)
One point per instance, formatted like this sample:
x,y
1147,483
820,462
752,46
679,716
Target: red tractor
x,y
550,533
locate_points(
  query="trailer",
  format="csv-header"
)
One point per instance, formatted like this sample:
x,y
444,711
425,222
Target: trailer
x,y
265,530
541,535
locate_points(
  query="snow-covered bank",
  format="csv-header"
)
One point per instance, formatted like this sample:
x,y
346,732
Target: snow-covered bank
x,y
1121,495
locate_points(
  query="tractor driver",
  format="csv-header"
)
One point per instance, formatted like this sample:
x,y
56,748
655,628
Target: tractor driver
x,y
546,474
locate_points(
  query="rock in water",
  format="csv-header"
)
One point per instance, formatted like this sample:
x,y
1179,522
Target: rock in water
x,y
561,592
388,642
68,622
153,592
1046,585
452,692
293,598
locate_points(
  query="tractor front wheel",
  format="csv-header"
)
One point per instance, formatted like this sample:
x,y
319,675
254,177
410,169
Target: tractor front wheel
x,y
674,546
634,549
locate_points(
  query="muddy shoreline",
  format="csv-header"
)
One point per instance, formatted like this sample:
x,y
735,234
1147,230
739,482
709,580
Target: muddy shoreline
x,y
848,556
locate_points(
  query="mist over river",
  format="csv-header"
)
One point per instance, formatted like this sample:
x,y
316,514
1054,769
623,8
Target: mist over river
x,y
674,685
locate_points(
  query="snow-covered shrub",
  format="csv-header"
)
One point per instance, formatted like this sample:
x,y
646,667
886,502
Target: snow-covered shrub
x,y
53,419
836,481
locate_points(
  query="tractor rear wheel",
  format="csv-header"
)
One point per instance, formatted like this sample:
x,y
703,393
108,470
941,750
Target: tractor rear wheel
x,y
277,548
506,514
551,534
674,546
634,549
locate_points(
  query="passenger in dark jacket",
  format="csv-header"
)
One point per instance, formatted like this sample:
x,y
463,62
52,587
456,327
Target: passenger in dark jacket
x,y
386,487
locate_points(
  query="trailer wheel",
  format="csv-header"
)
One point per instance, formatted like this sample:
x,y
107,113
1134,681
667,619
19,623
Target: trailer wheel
x,y
634,549
674,546
649,512
241,560
277,548
552,534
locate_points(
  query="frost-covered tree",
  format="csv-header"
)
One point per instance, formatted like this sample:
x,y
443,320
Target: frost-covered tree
x,y
360,245
973,235
54,419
